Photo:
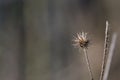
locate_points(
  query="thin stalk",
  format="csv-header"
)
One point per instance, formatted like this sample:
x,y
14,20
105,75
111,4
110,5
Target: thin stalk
x,y
88,64
106,44
110,55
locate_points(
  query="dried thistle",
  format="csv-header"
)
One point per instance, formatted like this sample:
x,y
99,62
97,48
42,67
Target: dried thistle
x,y
81,41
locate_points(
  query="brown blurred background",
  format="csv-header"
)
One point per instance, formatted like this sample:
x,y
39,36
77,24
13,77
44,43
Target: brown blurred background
x,y
36,38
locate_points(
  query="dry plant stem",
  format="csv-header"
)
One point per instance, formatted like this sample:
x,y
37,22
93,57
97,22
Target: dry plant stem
x,y
109,59
88,63
106,43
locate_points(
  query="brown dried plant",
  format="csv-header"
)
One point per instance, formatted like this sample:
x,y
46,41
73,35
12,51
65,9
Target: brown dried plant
x,y
82,41
106,46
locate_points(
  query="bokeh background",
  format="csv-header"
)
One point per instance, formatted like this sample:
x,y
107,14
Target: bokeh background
x,y
36,38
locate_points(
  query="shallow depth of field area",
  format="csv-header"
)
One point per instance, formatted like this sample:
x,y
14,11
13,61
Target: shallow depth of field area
x,y
37,36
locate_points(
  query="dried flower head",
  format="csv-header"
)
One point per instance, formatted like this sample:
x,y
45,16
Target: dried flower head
x,y
81,40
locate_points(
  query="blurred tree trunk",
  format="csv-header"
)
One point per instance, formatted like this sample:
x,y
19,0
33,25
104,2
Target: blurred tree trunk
x,y
12,41
37,40
60,44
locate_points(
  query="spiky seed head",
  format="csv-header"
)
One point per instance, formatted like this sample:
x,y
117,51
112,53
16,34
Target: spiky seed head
x,y
81,40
